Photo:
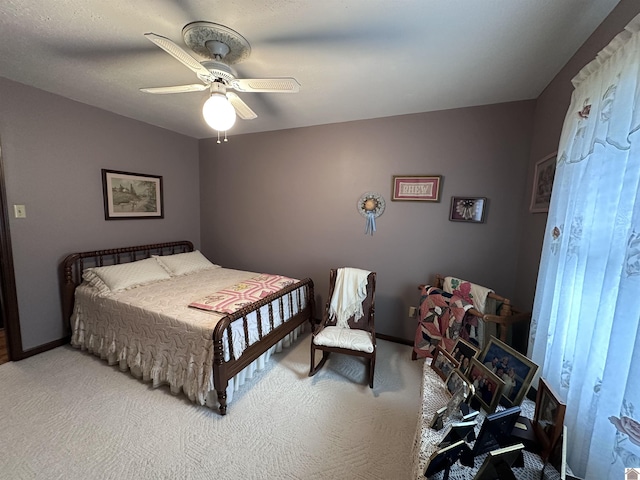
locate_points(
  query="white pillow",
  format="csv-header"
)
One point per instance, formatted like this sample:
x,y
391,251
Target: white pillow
x,y
115,278
183,263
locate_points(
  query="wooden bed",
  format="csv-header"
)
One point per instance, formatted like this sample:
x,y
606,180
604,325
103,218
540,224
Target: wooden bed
x,y
226,362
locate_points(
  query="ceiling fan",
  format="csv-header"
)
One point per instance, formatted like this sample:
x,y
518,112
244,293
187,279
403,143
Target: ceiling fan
x,y
223,47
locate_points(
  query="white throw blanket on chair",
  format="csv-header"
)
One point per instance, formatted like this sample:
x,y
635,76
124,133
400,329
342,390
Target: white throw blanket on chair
x,y
349,292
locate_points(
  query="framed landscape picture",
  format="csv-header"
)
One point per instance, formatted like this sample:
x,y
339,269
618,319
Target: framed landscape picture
x,y
131,195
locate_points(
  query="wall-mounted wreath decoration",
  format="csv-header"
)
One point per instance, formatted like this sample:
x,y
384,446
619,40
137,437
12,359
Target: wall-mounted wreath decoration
x,y
371,206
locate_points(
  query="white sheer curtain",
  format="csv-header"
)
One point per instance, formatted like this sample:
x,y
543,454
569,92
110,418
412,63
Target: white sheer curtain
x,y
585,323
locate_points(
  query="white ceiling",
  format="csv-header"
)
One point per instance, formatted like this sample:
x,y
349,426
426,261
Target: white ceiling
x,y
354,59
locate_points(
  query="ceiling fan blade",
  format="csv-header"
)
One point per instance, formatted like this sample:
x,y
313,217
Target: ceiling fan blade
x,y
179,54
242,109
195,87
273,85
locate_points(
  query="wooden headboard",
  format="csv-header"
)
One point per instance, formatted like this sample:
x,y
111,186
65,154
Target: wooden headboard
x,y
74,265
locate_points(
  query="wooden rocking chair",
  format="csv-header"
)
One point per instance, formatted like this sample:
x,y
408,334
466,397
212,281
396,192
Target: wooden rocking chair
x,y
359,339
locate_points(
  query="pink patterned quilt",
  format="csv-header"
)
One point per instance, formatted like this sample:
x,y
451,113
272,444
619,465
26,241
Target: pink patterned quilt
x,y
242,294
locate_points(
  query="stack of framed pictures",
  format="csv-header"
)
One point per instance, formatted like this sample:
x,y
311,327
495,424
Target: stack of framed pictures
x,y
458,387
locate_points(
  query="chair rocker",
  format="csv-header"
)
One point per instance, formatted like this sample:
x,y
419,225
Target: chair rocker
x,y
359,339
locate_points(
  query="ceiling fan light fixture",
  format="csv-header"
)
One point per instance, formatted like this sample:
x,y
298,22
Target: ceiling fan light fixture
x,y
218,112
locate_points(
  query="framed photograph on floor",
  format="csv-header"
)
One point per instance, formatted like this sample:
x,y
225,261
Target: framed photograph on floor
x,y
131,195
513,368
548,418
443,363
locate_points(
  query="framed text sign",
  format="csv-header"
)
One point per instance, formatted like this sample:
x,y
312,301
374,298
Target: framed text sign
x,y
423,188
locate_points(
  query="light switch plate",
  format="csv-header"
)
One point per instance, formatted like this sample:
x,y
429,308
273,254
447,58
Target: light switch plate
x,y
20,211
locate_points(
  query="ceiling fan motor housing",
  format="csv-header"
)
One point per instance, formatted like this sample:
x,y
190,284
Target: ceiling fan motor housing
x,y
220,70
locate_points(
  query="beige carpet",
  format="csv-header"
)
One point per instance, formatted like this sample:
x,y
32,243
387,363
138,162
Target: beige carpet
x,y
65,414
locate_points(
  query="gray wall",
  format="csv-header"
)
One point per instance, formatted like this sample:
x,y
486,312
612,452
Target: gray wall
x,y
551,109
285,202
53,149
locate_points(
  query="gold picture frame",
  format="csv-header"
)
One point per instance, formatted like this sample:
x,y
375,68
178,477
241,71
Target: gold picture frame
x,y
512,367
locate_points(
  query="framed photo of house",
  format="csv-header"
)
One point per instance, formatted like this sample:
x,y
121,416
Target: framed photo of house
x,y
468,209
543,183
487,385
416,188
513,368
443,363
463,352
548,419
131,195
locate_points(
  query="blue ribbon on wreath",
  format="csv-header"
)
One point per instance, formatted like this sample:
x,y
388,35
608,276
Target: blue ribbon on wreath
x,y
370,223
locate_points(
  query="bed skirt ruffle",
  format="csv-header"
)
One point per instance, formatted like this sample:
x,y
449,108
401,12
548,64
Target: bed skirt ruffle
x,y
193,378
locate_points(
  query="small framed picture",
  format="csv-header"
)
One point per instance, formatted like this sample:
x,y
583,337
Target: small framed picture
x,y
456,381
131,195
443,363
543,183
468,209
463,352
460,390
548,418
420,188
487,385
512,367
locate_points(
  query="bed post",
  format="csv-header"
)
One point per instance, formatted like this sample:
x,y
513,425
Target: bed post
x,y
67,289
220,379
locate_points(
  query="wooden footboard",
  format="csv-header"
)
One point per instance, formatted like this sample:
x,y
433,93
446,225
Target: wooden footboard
x,y
225,370
74,264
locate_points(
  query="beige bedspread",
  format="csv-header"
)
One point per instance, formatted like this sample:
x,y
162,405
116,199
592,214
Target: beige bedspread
x,y
151,330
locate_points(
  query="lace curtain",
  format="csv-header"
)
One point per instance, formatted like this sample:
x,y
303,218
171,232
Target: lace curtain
x,y
586,313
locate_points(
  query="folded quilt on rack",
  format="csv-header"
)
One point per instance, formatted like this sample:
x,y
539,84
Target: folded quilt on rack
x,y
441,320
471,292
233,298
477,295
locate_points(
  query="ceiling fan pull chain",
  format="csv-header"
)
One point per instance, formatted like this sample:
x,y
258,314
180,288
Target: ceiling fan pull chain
x,y
225,136
218,137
